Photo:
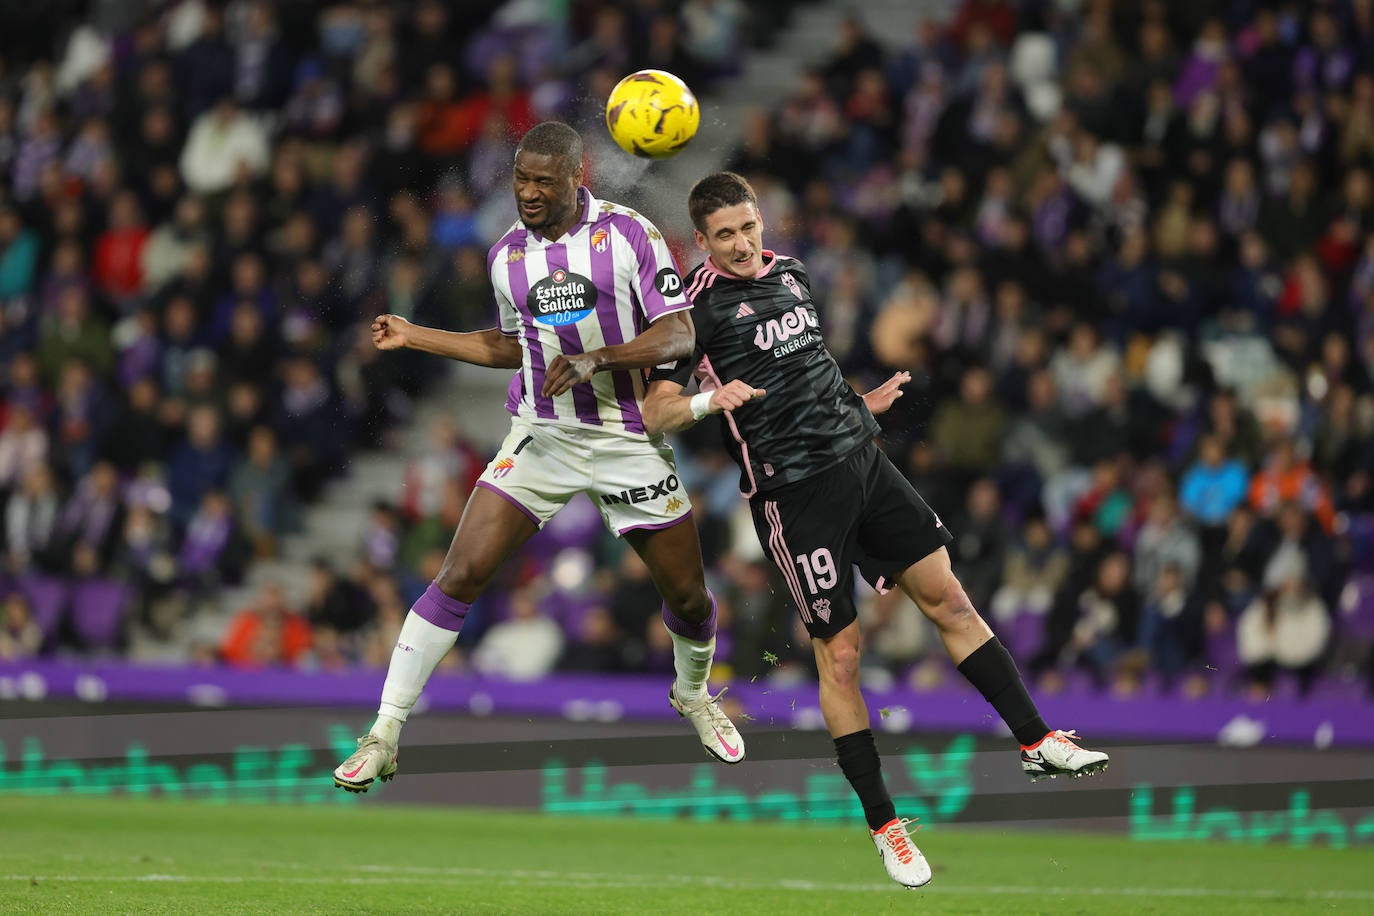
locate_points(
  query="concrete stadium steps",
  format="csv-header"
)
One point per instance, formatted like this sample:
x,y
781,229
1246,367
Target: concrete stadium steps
x,y
332,527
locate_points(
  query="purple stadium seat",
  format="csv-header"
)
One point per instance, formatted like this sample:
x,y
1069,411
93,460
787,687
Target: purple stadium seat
x,y
98,607
48,598
1361,535
1024,634
725,644
1285,687
1081,683
1222,662
578,524
1221,652
1357,619
1334,688
570,610
1153,685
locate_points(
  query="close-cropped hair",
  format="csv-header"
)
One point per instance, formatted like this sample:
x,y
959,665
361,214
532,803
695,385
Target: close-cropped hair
x,y
553,138
716,192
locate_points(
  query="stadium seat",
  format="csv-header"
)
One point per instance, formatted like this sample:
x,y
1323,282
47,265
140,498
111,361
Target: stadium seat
x,y
48,597
1025,633
1335,688
1153,685
1081,682
1357,608
98,607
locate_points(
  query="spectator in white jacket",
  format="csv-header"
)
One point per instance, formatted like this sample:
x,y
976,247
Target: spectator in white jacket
x,y
169,247
223,143
523,647
23,446
1285,629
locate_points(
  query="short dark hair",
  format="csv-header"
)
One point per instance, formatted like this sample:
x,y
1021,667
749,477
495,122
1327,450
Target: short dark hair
x,y
716,192
553,138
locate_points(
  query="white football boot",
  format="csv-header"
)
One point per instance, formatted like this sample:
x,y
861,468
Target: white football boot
x,y
901,858
718,734
374,759
1056,753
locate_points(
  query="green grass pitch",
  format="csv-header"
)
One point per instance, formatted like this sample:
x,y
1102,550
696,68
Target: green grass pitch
x,y
66,855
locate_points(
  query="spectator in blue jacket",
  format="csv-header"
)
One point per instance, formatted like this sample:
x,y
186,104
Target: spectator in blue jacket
x,y
1214,485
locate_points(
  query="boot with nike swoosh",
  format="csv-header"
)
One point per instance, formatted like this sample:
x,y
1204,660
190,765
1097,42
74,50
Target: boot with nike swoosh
x,y
718,734
374,759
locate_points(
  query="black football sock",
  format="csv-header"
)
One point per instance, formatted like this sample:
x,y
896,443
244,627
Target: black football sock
x,y
991,669
859,761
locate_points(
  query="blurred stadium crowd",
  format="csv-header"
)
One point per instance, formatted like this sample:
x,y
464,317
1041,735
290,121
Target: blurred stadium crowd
x,y
1125,249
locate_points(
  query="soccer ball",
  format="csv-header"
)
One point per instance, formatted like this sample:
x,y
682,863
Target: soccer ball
x,y
652,114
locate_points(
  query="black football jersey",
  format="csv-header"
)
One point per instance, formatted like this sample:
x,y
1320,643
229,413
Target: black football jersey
x,y
765,332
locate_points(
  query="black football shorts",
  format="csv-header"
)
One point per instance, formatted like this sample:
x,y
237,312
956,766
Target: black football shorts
x,y
861,512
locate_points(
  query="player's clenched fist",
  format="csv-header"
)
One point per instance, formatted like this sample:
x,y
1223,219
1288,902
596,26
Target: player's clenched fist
x,y
734,395
566,371
389,332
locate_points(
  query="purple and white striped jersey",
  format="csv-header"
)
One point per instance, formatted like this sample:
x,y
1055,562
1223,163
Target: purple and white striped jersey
x,y
602,283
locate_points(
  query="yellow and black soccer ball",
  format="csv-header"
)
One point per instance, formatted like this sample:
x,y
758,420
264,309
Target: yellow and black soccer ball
x,y
652,114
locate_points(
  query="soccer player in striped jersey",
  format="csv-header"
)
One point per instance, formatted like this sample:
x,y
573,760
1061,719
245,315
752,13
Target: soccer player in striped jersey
x,y
589,298
825,499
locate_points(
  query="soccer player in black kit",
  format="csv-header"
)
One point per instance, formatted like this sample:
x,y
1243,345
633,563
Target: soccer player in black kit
x,y
826,499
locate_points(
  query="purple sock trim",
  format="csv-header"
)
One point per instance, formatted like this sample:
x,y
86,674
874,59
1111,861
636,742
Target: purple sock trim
x,y
698,632
443,611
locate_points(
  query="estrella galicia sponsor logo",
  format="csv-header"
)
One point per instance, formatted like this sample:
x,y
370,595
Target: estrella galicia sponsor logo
x,y
561,298
795,325
667,282
643,494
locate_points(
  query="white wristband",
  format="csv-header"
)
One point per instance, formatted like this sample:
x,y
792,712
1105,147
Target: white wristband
x,y
701,405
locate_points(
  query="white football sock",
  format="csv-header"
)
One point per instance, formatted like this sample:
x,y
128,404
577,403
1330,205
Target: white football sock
x,y
692,661
419,649
388,728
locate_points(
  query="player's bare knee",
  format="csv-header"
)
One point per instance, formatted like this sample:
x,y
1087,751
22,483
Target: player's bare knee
x,y
692,604
952,609
457,579
841,668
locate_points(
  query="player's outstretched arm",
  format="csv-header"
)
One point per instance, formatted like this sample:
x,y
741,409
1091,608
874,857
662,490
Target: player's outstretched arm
x,y
880,399
665,409
667,340
481,348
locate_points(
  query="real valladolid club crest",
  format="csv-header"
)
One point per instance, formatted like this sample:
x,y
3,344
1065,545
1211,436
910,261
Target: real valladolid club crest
x,y
601,240
790,282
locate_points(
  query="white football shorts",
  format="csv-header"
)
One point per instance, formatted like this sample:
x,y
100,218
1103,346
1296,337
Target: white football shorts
x,y
632,481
